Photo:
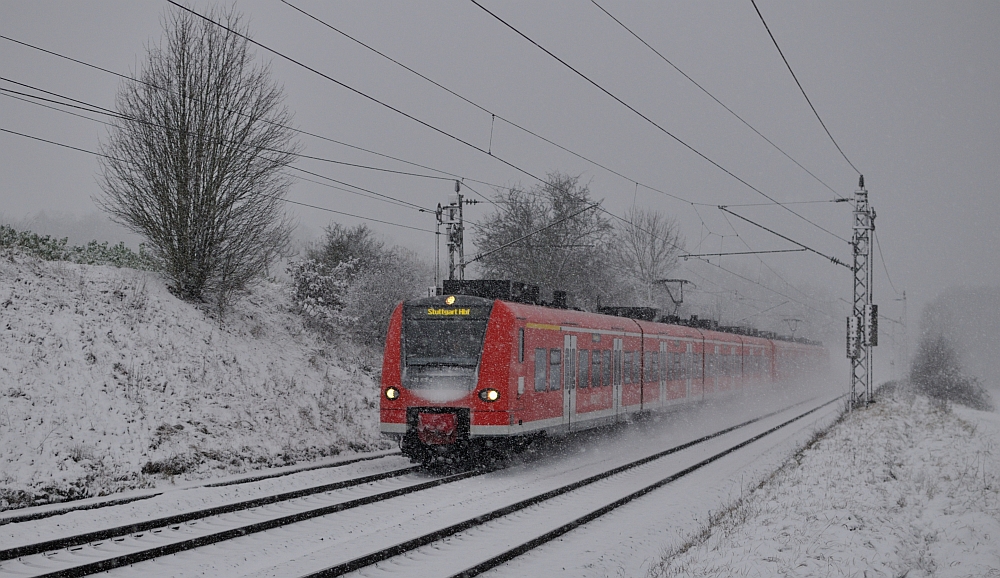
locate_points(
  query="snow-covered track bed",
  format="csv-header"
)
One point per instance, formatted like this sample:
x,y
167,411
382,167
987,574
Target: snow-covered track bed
x,y
492,538
409,523
554,482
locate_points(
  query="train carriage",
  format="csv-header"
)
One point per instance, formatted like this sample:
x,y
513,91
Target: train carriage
x,y
463,374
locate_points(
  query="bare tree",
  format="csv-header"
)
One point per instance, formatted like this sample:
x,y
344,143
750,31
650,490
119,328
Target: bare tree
x,y
571,254
646,249
195,162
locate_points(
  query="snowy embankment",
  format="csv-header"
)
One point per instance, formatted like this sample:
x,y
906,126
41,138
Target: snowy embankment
x,y
903,488
108,382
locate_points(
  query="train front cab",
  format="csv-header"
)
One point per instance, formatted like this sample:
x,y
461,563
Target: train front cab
x,y
445,391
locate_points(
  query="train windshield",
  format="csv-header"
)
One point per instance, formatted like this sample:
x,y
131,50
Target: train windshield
x,y
455,342
442,343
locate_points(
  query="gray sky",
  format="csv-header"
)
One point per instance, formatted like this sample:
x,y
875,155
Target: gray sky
x,y
909,90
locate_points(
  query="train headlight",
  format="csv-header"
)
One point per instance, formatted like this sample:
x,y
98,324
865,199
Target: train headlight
x,y
489,395
391,393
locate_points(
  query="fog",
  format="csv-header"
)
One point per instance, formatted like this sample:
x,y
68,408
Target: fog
x,y
908,91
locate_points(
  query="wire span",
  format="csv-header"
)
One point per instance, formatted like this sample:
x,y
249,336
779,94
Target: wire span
x,y
789,66
712,96
649,120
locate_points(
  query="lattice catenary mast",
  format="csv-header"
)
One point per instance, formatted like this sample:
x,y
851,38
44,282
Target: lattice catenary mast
x,y
862,325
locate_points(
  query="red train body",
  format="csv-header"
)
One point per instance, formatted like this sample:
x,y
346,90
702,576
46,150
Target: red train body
x,y
461,373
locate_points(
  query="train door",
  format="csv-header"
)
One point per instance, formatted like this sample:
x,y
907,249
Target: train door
x,y
616,376
569,381
663,373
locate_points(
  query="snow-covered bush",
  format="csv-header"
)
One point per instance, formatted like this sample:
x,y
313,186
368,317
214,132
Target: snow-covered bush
x,y
937,373
365,291
318,293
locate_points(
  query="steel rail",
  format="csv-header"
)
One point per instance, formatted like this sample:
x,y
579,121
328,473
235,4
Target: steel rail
x,y
174,522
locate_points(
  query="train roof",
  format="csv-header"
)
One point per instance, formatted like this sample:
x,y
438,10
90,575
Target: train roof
x,y
554,305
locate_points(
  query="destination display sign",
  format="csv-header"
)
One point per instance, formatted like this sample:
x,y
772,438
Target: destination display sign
x,y
453,311
449,308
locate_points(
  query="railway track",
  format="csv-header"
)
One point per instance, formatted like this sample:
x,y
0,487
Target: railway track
x,y
107,503
94,552
478,522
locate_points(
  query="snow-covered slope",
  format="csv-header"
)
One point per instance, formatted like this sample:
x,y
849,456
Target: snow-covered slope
x,y
109,382
902,488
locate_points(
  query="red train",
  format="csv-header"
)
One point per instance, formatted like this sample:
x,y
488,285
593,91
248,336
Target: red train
x,y
464,375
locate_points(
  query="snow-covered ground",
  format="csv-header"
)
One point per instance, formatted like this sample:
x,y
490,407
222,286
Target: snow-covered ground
x,y
108,382
903,488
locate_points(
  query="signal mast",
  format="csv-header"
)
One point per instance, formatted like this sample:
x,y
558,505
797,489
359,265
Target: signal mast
x,y
862,325
451,217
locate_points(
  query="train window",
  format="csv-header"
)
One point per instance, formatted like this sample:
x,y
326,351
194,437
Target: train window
x,y
555,373
584,368
606,373
655,376
635,368
628,366
520,345
647,364
540,365
595,372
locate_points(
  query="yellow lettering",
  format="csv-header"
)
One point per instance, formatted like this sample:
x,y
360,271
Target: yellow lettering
x,y
457,311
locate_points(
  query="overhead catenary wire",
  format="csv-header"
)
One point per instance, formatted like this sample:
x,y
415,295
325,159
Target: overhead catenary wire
x,y
882,258
396,224
372,195
101,110
287,127
535,232
799,84
806,305
356,91
650,121
751,252
762,262
493,115
712,96
833,260
79,104
97,154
